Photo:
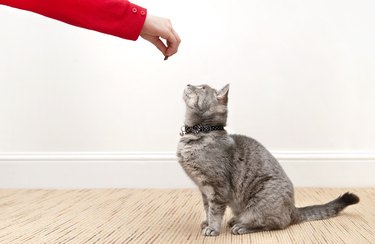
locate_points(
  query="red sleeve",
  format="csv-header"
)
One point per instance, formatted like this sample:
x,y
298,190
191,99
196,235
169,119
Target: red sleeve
x,y
115,17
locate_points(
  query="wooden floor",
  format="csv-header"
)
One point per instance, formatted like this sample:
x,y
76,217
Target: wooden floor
x,y
161,216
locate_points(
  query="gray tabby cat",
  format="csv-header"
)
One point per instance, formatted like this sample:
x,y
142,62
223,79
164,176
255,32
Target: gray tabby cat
x,y
237,171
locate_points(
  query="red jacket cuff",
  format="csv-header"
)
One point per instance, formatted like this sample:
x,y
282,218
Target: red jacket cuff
x,y
133,25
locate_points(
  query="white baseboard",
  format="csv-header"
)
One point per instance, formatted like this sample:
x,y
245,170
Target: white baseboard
x,y
161,170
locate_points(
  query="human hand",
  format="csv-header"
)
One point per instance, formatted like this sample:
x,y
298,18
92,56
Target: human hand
x,y
156,29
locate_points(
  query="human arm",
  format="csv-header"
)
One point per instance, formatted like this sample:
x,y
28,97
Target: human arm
x,y
115,17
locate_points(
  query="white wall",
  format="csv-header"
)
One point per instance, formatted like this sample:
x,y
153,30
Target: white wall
x,y
301,72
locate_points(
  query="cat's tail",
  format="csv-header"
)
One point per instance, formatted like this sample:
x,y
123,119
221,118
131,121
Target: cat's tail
x,y
324,211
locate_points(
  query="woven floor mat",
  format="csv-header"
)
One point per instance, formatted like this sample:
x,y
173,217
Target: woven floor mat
x,y
162,216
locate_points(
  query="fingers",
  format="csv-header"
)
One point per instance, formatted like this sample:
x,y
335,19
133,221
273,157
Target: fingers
x,y
173,43
157,42
157,29
170,48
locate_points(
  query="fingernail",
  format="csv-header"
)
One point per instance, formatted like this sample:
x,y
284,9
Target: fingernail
x,y
165,57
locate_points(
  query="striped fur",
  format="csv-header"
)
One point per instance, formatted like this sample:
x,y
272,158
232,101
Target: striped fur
x,y
238,172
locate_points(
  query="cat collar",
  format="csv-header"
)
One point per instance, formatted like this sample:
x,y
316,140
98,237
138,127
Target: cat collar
x,y
199,128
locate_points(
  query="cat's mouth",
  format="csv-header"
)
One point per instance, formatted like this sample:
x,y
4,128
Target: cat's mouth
x,y
190,97
187,92
186,97
188,89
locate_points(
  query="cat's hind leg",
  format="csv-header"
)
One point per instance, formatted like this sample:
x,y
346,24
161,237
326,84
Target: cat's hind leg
x,y
246,225
253,220
240,229
247,222
232,221
235,219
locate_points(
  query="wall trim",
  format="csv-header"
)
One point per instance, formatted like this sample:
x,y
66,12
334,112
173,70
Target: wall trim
x,y
160,170
171,156
88,156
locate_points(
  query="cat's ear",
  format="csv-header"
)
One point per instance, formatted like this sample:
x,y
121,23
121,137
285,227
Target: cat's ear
x,y
222,94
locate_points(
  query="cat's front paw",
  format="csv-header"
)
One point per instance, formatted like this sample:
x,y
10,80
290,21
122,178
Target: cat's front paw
x,y
239,229
209,231
204,224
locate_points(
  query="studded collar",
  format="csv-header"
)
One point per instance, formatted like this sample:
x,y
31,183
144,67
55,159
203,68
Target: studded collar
x,y
196,129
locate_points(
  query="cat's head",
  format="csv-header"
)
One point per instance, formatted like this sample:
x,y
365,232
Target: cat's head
x,y
205,105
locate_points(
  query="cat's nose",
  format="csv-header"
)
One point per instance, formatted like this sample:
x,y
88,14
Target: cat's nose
x,y
188,85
